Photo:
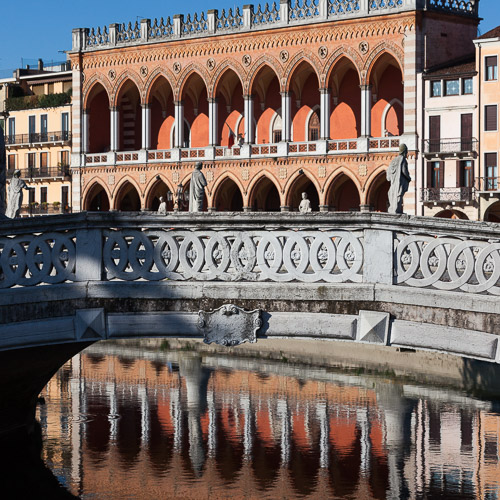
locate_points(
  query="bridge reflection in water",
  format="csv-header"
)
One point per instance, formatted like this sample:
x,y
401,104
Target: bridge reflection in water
x,y
121,422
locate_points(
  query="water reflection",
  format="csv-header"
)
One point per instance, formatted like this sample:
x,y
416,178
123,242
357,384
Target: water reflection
x,y
133,426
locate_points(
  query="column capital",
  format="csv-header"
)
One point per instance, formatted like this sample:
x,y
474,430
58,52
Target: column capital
x,y
85,111
178,103
146,105
285,94
325,90
114,108
366,86
248,97
213,99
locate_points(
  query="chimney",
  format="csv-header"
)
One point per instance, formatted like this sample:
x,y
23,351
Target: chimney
x,y
40,65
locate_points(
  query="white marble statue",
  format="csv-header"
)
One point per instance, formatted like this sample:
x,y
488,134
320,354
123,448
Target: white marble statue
x,y
305,204
3,173
399,177
162,209
197,189
15,200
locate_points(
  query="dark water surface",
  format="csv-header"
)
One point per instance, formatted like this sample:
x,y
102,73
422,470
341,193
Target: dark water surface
x,y
125,423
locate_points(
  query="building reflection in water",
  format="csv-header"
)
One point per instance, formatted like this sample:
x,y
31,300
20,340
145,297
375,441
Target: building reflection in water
x,y
157,424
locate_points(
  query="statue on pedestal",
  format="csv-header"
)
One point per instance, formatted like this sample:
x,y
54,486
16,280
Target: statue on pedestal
x,y
305,204
399,177
15,201
162,209
197,189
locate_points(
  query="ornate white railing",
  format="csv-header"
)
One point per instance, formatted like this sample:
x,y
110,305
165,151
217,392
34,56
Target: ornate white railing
x,y
258,17
324,248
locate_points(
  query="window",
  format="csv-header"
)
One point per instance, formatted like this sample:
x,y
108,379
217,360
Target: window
x,y
31,195
491,171
465,172
452,87
64,198
435,174
436,89
31,160
43,127
64,158
490,118
434,134
277,127
12,130
65,125
467,86
11,163
31,128
43,194
491,68
466,132
313,133
44,162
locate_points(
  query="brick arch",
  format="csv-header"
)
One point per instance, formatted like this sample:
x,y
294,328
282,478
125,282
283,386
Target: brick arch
x,y
302,56
184,77
89,85
348,53
377,52
291,183
220,182
90,185
118,188
155,74
151,185
265,60
256,180
330,183
221,70
134,78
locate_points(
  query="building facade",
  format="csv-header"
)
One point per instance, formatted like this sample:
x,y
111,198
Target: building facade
x,y
275,100
487,53
37,123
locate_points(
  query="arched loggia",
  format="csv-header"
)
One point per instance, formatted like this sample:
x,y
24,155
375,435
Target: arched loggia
x,y
98,116
96,199
130,117
194,97
228,197
128,199
162,114
302,184
378,199
265,196
343,195
159,189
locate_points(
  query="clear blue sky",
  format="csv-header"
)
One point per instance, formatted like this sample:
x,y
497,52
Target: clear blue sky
x,y
33,29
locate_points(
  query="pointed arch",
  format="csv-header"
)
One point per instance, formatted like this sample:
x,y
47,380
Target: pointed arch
x,y
88,192
376,189
302,182
331,184
237,200
187,73
385,114
228,65
152,79
118,192
337,55
265,174
150,188
302,57
262,62
383,48
121,81
91,85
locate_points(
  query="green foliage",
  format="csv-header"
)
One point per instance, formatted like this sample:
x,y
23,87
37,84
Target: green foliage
x,y
38,101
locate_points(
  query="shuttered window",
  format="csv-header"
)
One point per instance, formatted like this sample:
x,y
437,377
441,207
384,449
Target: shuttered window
x,y
490,118
466,132
434,134
491,171
491,68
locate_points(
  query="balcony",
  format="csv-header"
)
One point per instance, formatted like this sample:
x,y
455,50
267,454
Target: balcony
x,y
42,172
450,147
448,195
244,151
33,209
488,185
20,140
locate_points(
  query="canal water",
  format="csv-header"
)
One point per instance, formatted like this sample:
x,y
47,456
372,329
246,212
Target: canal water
x,y
122,422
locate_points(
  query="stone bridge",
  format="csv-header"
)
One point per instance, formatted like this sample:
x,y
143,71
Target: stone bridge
x,y
410,282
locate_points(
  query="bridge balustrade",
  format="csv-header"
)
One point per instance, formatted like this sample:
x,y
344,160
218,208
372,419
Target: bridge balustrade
x,y
328,248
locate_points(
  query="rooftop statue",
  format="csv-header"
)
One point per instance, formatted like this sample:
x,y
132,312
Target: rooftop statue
x,y
305,205
197,189
16,187
399,177
3,173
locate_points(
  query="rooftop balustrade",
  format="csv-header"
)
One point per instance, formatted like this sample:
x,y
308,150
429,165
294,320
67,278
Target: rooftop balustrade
x,y
255,17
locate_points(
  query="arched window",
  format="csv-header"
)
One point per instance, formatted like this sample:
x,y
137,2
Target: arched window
x,y
277,127
313,129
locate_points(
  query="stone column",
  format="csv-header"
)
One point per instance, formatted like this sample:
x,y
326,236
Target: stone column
x,y
286,118
85,131
179,124
114,129
248,116
146,126
213,117
324,95
366,110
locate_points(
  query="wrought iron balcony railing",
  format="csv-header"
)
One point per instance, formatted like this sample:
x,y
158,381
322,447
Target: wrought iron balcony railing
x,y
450,146
447,195
41,172
37,138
